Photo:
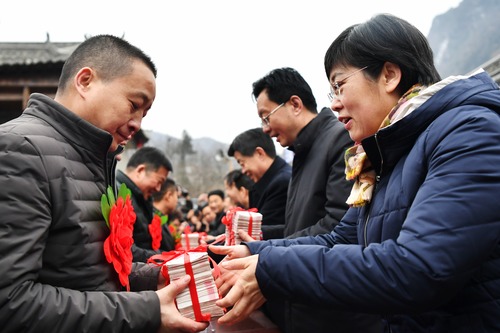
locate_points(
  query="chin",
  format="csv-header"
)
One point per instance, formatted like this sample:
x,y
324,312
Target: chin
x,y
114,146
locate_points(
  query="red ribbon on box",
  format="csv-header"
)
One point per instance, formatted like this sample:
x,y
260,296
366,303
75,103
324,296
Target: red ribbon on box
x,y
187,231
228,221
161,259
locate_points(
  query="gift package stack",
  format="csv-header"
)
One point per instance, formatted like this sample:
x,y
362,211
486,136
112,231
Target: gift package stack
x,y
249,221
189,240
205,291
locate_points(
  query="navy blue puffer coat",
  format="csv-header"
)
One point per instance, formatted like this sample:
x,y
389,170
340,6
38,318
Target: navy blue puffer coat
x,y
425,253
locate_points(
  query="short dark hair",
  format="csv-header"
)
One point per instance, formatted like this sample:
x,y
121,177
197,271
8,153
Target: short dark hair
x,y
246,143
152,157
110,55
167,186
220,193
281,84
238,179
176,214
385,38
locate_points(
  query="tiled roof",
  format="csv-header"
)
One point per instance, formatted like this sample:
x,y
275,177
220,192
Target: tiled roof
x,y
14,54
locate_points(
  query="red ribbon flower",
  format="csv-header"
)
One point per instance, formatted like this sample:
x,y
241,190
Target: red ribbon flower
x,y
175,234
120,218
155,231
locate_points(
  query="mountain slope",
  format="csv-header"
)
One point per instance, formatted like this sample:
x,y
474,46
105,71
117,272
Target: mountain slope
x,y
465,37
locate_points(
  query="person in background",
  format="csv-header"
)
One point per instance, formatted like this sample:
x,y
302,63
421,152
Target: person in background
x,y
202,199
216,203
57,159
255,152
193,219
237,186
420,245
176,219
176,226
165,200
228,204
164,205
146,171
207,218
185,203
318,188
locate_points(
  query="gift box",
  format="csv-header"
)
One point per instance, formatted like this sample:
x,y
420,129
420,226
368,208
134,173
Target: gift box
x,y
188,241
197,301
239,219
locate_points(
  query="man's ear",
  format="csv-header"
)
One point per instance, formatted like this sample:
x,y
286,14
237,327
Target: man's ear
x,y
260,152
296,103
83,79
170,195
141,168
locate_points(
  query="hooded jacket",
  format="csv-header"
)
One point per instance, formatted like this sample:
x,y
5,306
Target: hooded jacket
x,y
54,167
425,253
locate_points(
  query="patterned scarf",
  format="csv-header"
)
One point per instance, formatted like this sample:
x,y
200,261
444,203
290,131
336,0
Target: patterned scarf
x,y
358,166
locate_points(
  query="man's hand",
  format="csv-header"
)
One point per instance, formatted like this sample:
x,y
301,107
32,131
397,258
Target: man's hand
x,y
171,319
245,295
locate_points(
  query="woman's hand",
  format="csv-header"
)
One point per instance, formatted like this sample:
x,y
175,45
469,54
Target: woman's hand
x,y
245,295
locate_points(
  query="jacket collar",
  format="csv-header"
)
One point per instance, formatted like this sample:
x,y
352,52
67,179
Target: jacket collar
x,y
389,144
76,130
308,134
269,175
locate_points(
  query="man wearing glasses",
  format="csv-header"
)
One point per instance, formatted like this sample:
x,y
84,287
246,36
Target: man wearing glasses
x,y
318,190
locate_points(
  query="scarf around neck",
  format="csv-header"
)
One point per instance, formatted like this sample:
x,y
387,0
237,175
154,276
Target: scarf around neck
x,y
358,166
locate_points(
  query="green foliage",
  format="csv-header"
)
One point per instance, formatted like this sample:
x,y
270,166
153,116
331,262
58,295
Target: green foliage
x,y
108,200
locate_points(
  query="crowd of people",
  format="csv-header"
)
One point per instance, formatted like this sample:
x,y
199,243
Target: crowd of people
x,y
384,221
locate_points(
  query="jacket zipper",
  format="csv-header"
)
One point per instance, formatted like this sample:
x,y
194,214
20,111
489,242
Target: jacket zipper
x,y
365,231
377,179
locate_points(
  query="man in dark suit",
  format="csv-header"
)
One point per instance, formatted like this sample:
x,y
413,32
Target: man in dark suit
x,y
255,152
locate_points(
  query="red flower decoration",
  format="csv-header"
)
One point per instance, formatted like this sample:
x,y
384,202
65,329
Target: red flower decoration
x,y
155,231
175,234
120,218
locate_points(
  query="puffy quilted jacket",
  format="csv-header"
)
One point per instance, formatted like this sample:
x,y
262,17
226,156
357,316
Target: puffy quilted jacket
x,y
425,254
53,170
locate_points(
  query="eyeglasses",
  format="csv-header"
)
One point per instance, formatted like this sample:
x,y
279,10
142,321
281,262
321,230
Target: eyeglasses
x,y
265,120
335,87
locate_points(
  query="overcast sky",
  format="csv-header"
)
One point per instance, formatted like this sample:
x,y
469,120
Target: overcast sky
x,y
208,53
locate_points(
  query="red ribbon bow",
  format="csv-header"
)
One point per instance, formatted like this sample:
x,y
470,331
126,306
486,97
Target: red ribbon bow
x,y
161,259
228,221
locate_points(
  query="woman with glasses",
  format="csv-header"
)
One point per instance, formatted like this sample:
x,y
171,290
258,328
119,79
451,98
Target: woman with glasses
x,y
420,245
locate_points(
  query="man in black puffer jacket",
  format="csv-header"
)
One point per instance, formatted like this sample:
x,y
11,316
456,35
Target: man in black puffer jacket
x,y
56,160
146,171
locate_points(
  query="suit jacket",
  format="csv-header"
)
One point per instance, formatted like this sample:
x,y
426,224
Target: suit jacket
x,y
318,189
269,194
